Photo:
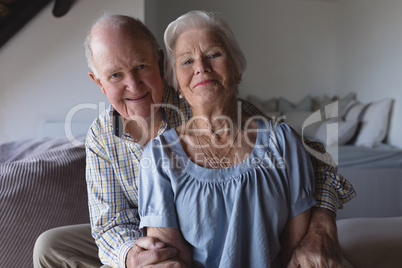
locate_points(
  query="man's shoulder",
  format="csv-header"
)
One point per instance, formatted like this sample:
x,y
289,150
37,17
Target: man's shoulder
x,y
104,119
102,125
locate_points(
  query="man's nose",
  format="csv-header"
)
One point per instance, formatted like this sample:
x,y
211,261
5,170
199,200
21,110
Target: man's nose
x,y
133,81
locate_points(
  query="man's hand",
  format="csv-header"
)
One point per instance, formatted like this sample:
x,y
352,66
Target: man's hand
x,y
320,246
148,250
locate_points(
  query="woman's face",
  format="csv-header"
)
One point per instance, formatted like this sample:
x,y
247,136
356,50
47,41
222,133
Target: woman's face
x,y
205,71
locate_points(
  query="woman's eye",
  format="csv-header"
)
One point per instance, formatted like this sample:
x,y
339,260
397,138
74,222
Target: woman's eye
x,y
215,55
115,75
140,67
187,62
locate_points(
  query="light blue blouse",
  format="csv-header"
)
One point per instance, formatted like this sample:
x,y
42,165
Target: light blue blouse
x,y
232,217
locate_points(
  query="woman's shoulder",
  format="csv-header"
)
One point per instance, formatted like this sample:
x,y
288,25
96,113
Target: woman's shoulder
x,y
165,139
276,133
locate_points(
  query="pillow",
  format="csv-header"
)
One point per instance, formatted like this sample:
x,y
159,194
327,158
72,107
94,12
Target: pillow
x,y
343,103
321,102
296,119
354,111
340,133
286,106
269,106
374,124
373,119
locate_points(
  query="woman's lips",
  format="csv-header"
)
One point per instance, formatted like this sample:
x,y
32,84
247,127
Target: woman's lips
x,y
205,82
138,99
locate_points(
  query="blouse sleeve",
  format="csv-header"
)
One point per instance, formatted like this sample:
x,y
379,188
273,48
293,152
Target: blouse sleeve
x,y
156,198
299,169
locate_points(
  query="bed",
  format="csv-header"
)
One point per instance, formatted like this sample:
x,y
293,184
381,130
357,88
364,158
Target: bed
x,y
376,175
42,186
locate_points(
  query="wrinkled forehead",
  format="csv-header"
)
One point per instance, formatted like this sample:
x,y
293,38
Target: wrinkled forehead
x,y
203,37
120,40
111,34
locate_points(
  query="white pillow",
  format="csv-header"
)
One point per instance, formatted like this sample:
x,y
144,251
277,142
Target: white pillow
x,y
345,102
374,123
331,132
354,111
286,106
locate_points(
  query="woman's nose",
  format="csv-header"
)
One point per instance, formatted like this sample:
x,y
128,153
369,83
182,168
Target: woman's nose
x,y
201,66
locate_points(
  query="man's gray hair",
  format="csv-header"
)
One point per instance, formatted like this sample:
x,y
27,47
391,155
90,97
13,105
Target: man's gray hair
x,y
108,20
197,18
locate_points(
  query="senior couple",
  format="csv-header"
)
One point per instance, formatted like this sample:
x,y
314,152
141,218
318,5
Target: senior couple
x,y
223,205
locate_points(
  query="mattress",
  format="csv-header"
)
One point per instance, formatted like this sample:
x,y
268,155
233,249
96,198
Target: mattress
x,y
383,156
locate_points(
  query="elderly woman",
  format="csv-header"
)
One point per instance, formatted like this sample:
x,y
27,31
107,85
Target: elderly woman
x,y
225,189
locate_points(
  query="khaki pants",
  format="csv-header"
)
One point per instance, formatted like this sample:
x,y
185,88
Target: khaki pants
x,y
69,246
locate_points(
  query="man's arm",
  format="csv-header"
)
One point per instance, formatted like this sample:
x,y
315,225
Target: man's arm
x,y
113,208
294,231
332,190
320,246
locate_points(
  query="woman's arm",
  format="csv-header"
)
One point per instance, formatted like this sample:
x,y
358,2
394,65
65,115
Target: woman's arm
x,y
172,237
294,231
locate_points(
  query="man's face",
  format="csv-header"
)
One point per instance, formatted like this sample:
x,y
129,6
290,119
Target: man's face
x,y
128,71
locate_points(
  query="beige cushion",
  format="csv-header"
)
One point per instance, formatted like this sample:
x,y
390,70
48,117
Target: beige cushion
x,y
371,242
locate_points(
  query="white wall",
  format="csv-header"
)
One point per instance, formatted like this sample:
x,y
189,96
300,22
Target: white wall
x,y
289,44
43,71
293,47
370,54
299,47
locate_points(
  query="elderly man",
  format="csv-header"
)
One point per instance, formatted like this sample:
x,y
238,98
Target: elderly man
x,y
127,64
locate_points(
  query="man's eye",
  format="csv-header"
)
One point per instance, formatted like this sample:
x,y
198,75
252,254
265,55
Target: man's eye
x,y
115,75
141,67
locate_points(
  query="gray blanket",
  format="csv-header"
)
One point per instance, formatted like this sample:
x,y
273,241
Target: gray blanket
x,y
42,186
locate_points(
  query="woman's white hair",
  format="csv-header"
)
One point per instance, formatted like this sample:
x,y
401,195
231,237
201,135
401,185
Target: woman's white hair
x,y
200,19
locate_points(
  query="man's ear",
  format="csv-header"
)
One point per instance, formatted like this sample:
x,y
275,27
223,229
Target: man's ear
x,y
97,81
161,62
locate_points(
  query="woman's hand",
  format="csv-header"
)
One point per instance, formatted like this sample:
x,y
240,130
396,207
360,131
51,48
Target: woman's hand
x,y
320,246
149,250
